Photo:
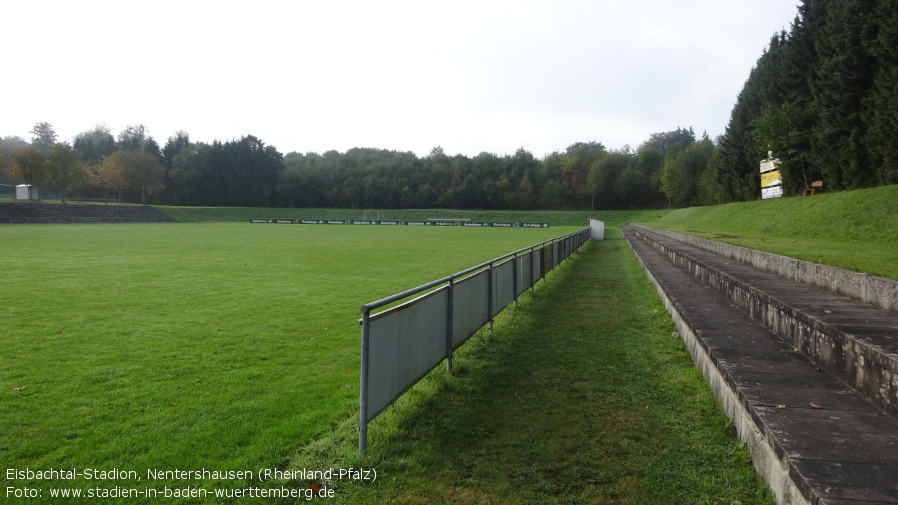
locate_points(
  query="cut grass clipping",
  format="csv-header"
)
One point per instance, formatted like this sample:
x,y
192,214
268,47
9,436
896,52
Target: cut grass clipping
x,y
580,395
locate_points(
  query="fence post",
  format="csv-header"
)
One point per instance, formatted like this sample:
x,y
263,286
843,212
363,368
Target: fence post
x,y
363,387
532,260
489,292
514,277
449,315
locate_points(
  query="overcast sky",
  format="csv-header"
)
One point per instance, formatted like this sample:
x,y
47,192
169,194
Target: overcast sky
x,y
319,75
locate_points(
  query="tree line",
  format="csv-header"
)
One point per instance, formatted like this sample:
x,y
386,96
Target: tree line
x,y
669,167
823,99
132,166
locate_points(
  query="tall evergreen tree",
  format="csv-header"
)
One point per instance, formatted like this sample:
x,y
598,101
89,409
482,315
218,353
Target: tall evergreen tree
x,y
881,104
843,78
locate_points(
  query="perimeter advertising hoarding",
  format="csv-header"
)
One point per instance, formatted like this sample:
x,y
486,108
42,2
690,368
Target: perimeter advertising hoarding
x,y
467,224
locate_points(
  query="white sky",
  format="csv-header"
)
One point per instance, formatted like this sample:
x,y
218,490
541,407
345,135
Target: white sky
x,y
304,76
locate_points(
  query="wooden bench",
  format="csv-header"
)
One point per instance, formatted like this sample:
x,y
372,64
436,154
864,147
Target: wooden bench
x,y
816,188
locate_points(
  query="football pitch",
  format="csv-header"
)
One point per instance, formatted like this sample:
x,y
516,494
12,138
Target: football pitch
x,y
223,346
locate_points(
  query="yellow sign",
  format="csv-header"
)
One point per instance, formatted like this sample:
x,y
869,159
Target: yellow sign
x,y
771,178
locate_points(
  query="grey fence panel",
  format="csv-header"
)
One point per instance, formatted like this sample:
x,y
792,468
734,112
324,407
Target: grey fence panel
x,y
545,255
469,307
405,343
503,286
402,344
525,272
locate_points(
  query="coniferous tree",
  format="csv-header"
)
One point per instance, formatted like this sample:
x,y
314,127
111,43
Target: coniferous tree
x,y
844,76
881,104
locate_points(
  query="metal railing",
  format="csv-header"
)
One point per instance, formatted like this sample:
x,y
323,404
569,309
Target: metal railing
x,y
403,343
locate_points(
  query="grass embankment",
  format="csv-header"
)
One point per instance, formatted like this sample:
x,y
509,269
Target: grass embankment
x,y
856,230
580,395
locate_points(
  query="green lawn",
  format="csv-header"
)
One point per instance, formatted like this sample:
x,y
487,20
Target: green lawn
x,y
579,396
198,345
857,230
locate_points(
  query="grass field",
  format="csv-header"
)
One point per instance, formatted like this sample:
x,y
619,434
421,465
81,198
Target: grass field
x,y
198,345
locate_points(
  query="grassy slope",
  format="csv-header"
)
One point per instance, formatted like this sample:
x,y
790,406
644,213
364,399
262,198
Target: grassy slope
x,y
857,230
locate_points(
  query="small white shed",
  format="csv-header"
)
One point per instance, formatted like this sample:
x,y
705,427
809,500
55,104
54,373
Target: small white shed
x,y
22,192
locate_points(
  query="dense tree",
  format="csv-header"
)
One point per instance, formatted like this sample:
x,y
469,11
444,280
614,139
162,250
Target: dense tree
x,y
603,176
29,165
516,181
843,78
881,103
142,172
782,130
631,186
173,146
65,169
132,138
95,144
110,174
708,190
823,99
242,172
9,145
683,169
665,142
246,172
12,143
649,161
582,170
44,136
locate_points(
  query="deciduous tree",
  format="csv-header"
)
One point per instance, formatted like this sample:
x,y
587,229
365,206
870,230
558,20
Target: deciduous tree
x,y
111,173
95,144
65,169
132,138
682,171
29,165
44,136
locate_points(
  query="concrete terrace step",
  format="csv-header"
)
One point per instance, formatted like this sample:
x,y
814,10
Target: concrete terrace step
x,y
855,341
845,452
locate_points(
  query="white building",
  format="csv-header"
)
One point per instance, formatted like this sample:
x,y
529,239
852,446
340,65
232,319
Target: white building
x,y
23,193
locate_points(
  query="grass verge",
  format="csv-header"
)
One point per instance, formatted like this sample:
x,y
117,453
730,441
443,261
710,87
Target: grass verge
x,y
579,396
856,230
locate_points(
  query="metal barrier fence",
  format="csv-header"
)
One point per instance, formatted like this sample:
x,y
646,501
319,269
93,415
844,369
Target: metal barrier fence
x,y
402,344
